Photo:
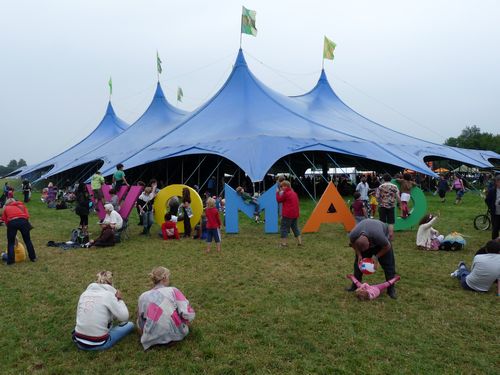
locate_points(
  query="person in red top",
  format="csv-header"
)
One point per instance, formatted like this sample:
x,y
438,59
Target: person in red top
x,y
290,212
213,225
169,228
16,216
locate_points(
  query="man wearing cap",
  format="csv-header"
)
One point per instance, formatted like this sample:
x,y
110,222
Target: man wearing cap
x,y
370,239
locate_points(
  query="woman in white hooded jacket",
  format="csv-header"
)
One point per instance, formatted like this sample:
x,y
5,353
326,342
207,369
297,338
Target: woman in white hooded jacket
x,y
98,306
428,238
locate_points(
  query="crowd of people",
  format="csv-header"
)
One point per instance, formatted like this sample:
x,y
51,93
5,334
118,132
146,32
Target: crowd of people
x,y
164,314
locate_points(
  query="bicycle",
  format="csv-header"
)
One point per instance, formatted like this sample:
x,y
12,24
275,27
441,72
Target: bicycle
x,y
483,221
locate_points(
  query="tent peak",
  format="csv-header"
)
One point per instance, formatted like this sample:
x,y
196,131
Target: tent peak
x,y
110,110
322,77
159,92
240,59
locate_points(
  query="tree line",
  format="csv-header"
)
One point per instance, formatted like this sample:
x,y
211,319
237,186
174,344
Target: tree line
x,y
12,166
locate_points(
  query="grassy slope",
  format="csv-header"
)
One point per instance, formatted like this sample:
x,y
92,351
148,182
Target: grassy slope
x,y
260,309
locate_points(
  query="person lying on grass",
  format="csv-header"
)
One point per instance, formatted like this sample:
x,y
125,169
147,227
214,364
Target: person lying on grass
x,y
368,292
98,306
485,269
163,313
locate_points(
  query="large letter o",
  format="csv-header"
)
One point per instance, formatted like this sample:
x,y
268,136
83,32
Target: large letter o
x,y
418,211
164,195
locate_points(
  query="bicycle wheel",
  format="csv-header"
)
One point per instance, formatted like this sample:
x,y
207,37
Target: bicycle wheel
x,y
482,222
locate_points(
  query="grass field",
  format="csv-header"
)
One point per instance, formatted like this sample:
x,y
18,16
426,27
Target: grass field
x,y
260,309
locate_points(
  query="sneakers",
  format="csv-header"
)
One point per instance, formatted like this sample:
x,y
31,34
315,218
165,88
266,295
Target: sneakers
x,y
460,265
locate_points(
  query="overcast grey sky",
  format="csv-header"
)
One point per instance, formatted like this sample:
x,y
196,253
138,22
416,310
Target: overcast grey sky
x,y
427,68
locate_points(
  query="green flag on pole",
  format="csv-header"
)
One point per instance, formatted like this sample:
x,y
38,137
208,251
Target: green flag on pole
x,y
180,94
158,63
110,83
328,48
248,22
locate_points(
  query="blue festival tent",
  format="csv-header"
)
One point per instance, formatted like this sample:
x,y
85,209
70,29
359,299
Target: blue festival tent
x,y
323,105
158,119
254,126
109,127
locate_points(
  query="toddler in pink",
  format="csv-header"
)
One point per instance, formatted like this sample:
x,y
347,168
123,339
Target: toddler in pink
x,y
369,292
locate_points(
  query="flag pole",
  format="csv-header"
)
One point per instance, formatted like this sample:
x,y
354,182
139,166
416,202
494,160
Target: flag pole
x,y
241,36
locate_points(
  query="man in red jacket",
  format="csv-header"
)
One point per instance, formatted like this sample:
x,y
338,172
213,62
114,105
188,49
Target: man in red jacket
x,y
15,215
290,212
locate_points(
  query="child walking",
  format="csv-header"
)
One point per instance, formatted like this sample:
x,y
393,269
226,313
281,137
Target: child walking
x,y
368,292
406,184
358,208
213,225
373,203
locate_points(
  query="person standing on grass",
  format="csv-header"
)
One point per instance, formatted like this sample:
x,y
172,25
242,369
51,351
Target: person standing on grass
x,y
146,208
493,202
119,178
290,212
98,306
16,217
459,187
484,272
362,188
26,191
213,225
83,206
358,208
96,182
185,212
388,195
443,187
405,184
163,313
370,239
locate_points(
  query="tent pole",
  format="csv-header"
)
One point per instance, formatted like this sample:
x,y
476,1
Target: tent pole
x,y
199,170
314,177
195,170
300,182
217,180
313,167
182,171
200,186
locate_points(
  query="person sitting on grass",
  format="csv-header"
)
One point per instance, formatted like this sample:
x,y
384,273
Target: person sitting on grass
x,y
98,306
358,207
169,228
485,269
163,313
290,212
428,238
213,225
248,199
367,292
112,222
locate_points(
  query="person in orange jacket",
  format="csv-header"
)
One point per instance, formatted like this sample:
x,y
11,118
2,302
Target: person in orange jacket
x,y
16,217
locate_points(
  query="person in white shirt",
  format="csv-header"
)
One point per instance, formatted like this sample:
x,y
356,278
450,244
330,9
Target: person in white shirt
x,y
98,306
362,188
111,223
484,271
428,238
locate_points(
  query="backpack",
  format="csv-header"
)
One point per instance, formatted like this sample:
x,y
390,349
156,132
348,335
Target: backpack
x,y
79,237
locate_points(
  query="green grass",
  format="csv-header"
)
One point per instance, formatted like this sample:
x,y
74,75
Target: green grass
x,y
260,309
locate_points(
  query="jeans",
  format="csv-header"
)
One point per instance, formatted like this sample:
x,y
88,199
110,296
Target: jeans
x,y
115,334
462,274
387,262
287,224
23,226
147,220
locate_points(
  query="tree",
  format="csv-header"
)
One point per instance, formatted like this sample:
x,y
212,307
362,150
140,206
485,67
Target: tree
x,y
472,137
21,163
12,164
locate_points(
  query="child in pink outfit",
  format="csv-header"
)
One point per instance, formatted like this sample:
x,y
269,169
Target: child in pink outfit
x,y
369,292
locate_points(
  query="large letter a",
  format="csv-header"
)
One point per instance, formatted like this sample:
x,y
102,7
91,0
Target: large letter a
x,y
331,208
